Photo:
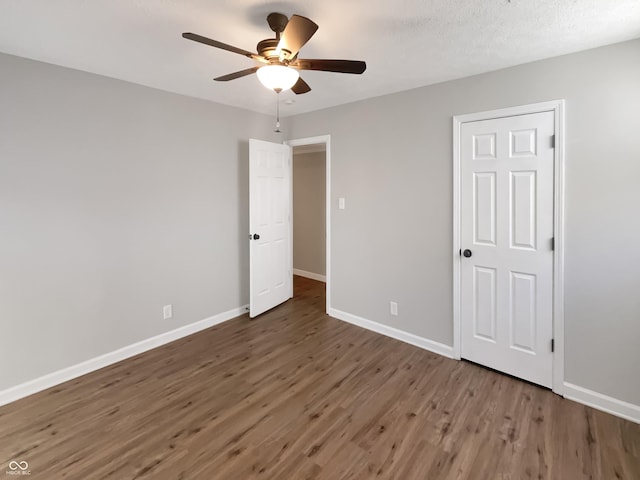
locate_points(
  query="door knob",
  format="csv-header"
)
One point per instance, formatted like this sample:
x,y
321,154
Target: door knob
x,y
256,236
467,253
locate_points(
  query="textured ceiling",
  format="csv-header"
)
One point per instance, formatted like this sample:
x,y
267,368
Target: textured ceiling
x,y
406,43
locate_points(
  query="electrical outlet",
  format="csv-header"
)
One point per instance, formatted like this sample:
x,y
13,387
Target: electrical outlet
x,y
167,312
393,308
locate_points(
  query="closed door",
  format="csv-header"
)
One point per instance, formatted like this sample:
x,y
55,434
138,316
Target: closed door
x,y
507,244
269,221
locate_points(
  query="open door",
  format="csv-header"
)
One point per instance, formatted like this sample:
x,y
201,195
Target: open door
x,y
269,225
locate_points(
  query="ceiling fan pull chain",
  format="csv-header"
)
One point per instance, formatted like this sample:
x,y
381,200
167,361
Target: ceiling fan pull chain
x,y
277,130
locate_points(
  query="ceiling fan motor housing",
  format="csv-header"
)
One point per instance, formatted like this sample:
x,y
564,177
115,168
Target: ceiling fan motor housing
x,y
268,49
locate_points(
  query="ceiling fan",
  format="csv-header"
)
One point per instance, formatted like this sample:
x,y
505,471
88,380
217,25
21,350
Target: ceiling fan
x,y
279,55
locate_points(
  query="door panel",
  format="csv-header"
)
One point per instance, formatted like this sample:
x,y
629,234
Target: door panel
x,y
269,191
484,313
523,210
522,311
507,223
485,203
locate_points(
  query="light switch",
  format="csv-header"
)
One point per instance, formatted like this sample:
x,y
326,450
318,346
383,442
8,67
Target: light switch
x,y
341,203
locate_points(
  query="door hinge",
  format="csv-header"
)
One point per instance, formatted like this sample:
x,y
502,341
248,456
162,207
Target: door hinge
x,y
553,141
553,243
553,345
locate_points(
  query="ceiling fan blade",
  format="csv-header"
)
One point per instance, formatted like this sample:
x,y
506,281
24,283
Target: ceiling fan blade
x,y
234,75
297,32
214,43
300,87
339,66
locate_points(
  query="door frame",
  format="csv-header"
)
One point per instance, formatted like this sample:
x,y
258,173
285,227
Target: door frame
x,y
558,109
326,140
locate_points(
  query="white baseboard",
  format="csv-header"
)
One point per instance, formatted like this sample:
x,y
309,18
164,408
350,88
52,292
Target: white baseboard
x,y
52,379
611,405
311,275
435,347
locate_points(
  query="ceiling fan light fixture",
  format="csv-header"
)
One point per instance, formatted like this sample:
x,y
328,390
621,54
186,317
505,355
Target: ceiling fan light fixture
x,y
277,77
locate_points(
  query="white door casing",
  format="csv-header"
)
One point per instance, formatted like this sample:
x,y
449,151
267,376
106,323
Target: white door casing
x,y
507,222
269,225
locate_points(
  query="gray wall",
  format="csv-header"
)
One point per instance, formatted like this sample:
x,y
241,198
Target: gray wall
x,y
309,212
392,161
115,199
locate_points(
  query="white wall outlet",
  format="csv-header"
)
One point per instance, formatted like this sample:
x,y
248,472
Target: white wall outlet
x,y
393,308
167,312
341,203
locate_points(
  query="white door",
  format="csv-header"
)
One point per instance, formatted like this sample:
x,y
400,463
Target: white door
x,y
507,229
269,219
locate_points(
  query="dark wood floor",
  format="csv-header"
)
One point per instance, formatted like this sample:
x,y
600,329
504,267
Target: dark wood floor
x,y
295,394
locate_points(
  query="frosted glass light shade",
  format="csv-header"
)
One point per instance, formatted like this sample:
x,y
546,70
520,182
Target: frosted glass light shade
x,y
276,77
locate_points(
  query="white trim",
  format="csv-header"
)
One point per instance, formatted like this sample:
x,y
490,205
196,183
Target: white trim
x,y
310,148
52,379
607,404
424,343
326,139
558,254
556,106
311,275
457,344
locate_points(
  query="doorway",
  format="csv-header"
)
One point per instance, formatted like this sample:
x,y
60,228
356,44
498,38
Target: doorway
x,y
508,241
309,212
311,207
